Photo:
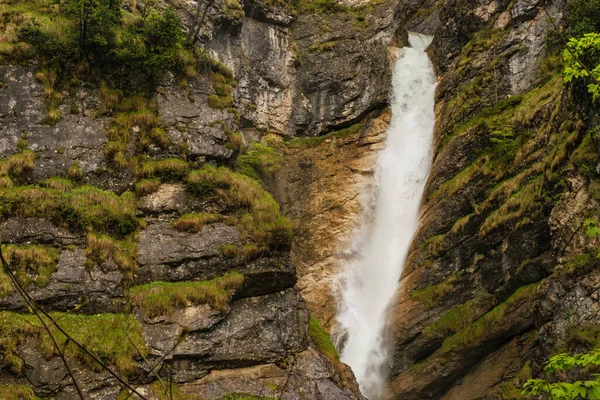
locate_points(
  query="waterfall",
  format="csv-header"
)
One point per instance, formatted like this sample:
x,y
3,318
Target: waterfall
x,y
375,260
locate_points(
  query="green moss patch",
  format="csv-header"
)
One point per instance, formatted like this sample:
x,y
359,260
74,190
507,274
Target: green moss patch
x,y
258,161
86,207
484,324
101,248
456,319
161,298
30,264
115,338
17,392
322,340
316,141
256,211
430,295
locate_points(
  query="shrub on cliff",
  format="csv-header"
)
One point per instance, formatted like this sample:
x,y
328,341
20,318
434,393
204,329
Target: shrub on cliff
x,y
582,61
258,214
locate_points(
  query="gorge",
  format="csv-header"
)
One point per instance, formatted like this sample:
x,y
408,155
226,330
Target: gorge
x,y
211,182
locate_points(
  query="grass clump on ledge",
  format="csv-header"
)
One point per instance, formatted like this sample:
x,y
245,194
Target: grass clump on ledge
x,y
15,165
168,168
161,298
86,207
17,392
322,340
30,264
195,222
258,161
101,248
116,343
146,186
309,142
259,218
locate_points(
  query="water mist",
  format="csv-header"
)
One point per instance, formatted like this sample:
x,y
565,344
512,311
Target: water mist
x,y
375,260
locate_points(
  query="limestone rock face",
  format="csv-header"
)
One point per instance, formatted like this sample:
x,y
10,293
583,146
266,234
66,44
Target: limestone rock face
x,y
322,189
307,73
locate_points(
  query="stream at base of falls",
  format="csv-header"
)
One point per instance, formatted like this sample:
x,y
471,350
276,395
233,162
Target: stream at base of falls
x,y
375,259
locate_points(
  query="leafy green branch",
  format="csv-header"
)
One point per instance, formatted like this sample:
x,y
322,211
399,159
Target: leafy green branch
x,y
559,365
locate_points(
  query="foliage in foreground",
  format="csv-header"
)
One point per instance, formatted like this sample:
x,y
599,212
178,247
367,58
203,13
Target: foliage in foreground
x,y
586,51
558,366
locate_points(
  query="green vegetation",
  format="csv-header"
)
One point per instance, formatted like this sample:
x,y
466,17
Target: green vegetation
x,y
60,184
583,17
17,392
86,207
523,206
167,391
129,114
161,298
74,172
223,84
230,251
581,338
101,248
30,264
195,222
168,169
456,319
471,333
14,166
233,9
258,161
324,46
557,385
258,215
582,61
430,295
321,340
146,186
118,343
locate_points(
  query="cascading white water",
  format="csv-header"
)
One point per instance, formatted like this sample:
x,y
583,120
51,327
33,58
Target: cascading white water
x,y
370,277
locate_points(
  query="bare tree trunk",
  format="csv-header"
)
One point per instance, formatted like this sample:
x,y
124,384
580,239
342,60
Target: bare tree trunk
x,y
196,25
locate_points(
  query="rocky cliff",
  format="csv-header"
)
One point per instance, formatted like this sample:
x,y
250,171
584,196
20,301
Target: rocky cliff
x,y
186,235
135,220
500,275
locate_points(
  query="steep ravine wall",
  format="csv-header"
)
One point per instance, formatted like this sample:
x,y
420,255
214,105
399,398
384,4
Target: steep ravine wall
x,y
500,274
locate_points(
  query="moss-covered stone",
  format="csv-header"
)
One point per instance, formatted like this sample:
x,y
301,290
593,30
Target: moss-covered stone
x,y
161,298
322,340
118,342
31,265
86,207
